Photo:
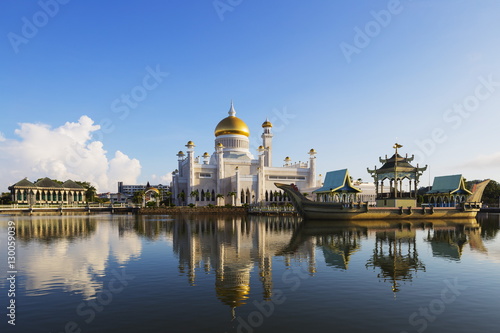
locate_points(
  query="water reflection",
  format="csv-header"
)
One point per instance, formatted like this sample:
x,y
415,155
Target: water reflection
x,y
231,246
73,252
396,256
395,253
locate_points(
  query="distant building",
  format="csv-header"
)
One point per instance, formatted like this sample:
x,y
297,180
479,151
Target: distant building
x,y
47,191
129,190
232,175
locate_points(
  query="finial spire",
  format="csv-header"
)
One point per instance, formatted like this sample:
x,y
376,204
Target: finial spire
x,y
232,112
396,146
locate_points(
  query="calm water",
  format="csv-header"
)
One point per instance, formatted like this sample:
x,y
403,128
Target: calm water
x,y
105,273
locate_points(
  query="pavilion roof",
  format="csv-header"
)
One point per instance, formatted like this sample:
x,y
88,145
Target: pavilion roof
x,y
452,184
396,159
47,182
337,181
24,183
71,184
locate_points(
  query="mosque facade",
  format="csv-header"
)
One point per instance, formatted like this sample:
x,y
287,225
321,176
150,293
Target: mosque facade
x,y
232,175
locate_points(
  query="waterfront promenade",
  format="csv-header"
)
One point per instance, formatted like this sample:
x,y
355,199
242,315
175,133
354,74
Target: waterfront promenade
x,y
68,208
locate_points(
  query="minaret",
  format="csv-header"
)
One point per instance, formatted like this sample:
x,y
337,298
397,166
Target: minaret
x,y
267,142
219,150
190,156
312,168
260,174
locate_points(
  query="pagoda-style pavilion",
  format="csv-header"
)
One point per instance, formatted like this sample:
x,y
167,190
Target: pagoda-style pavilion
x,y
397,170
337,188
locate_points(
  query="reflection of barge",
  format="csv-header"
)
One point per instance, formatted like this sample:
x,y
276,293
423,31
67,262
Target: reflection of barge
x,y
337,196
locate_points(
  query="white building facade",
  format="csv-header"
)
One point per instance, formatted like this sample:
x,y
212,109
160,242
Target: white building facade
x,y
232,175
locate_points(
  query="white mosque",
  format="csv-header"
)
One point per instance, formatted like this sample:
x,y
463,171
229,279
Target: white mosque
x,y
232,175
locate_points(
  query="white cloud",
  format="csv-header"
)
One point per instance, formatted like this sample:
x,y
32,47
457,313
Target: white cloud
x,y
165,179
484,161
65,152
2,137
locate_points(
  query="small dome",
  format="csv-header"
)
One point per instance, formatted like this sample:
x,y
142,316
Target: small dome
x,y
232,125
267,123
312,151
220,145
190,143
206,154
287,159
180,153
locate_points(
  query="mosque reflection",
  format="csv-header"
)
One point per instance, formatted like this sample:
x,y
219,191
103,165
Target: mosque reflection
x,y
231,247
236,247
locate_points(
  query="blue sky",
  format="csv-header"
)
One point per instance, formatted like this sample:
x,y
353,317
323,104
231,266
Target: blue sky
x,y
347,78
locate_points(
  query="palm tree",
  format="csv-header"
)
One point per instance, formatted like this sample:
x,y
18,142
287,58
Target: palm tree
x,y
207,195
232,195
194,194
182,197
168,197
139,197
219,196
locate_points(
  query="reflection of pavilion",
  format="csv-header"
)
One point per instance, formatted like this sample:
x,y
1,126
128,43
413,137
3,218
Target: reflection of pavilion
x,y
231,246
449,242
339,246
49,229
396,255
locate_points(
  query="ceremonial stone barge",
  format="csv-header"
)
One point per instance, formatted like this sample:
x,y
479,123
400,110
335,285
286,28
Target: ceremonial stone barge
x,y
449,199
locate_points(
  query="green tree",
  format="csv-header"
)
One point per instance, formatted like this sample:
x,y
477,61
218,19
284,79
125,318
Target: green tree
x,y
194,194
232,195
219,197
90,193
138,197
167,197
181,196
491,194
5,198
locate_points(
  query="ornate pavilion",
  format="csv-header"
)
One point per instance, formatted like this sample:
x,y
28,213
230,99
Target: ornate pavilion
x,y
337,188
403,179
47,191
448,191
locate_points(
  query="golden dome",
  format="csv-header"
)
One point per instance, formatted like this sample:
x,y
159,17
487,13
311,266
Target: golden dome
x,y
190,143
232,125
267,123
312,151
206,154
